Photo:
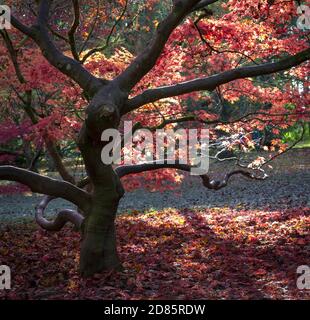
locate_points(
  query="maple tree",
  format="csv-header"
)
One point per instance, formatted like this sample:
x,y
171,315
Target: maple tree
x,y
233,66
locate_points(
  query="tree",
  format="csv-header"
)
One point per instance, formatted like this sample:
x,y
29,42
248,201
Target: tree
x,y
211,50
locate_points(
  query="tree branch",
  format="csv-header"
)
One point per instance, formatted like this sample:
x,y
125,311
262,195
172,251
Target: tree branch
x,y
11,152
102,48
145,61
202,4
91,30
45,185
27,106
13,55
52,150
68,66
61,219
22,28
210,83
207,182
213,49
72,31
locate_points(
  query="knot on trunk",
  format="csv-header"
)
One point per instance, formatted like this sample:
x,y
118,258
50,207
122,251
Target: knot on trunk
x,y
107,110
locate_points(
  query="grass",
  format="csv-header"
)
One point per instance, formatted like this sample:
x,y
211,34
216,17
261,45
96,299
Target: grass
x,y
303,144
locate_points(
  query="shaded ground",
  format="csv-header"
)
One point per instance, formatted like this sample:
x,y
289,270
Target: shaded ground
x,y
187,254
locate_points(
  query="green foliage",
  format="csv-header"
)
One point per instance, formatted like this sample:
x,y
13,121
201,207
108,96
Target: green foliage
x,y
294,132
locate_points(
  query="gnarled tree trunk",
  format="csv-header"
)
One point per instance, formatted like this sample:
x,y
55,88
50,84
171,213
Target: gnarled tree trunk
x,y
98,251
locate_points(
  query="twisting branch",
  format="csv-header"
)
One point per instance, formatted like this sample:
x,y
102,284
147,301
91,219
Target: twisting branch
x,y
45,185
212,82
207,182
61,219
145,61
219,184
68,66
72,31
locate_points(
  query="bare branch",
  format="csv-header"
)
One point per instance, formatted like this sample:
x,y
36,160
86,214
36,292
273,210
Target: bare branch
x,y
219,184
61,219
45,185
244,119
202,4
145,61
72,31
210,83
207,182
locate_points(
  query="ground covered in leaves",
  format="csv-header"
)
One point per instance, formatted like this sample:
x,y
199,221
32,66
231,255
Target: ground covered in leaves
x,y
218,253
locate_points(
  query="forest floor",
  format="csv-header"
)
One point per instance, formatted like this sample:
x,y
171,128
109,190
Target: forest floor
x,y
243,242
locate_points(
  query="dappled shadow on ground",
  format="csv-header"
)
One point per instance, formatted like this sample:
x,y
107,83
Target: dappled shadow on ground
x,y
173,254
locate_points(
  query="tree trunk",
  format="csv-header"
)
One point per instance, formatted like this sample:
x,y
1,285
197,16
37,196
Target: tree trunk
x,y
99,250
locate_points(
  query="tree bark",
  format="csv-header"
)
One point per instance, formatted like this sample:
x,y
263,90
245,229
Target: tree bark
x,y
99,250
